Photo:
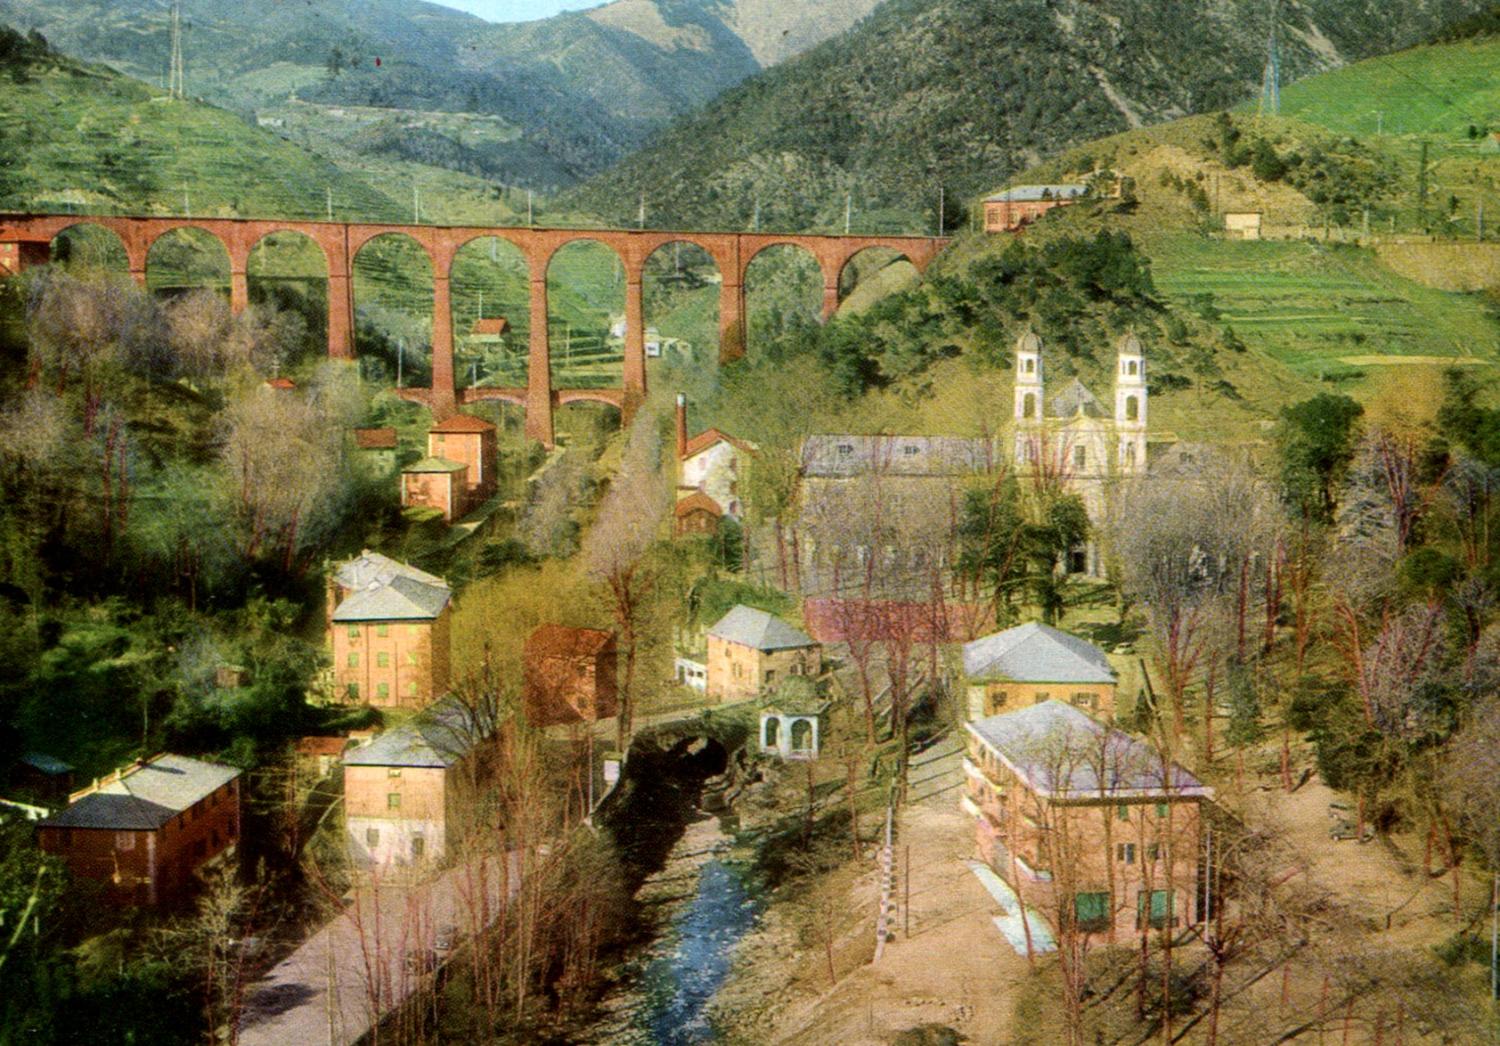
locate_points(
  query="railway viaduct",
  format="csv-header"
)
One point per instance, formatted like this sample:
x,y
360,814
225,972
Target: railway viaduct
x,y
26,238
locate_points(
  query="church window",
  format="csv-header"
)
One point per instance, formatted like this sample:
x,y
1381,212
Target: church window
x,y
1132,409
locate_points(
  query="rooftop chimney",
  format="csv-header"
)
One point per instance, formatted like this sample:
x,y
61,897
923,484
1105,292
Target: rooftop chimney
x,y
681,426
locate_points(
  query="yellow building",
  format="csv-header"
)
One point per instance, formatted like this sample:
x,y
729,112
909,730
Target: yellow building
x,y
750,650
1032,663
388,629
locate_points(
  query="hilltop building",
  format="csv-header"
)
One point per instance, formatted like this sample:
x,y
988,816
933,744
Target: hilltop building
x,y
405,792
1073,439
712,464
1032,663
1085,822
750,650
569,675
388,628
1011,209
146,828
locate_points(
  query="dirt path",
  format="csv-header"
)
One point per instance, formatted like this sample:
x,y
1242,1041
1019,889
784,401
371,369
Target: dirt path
x,y
954,968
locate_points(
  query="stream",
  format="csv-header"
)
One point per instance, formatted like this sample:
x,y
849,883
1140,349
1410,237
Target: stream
x,y
699,903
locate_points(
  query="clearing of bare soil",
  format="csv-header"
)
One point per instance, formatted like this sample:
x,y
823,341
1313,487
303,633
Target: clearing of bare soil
x,y
948,965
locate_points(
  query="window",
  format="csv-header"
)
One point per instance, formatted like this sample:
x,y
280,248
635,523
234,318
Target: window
x,y
354,633
1153,852
1028,405
411,658
383,660
1132,409
413,631
393,800
1161,810
124,840
372,837
770,676
394,771
1080,457
1084,699
1028,366
353,691
383,690
739,670
1160,907
1091,911
1125,853
353,661
411,688
845,449
382,629
910,450
1132,368
1042,695
418,847
1031,453
796,668
1122,812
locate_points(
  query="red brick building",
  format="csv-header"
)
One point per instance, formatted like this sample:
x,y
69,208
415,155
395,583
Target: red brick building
x,y
569,675
696,514
146,828
469,441
1020,205
388,629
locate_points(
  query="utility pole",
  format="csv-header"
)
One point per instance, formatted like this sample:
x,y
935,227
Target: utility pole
x,y
1379,122
1422,186
416,205
187,203
1270,87
400,359
755,221
641,216
942,207
848,212
330,203
1479,222
529,219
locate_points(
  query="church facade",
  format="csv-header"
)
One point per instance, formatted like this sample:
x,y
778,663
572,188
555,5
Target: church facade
x,y
1072,440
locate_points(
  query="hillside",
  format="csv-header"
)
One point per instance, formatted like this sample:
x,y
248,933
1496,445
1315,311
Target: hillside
x,y
960,94
536,104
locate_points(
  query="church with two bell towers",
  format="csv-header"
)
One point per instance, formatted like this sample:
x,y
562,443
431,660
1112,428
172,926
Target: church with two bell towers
x,y
1073,440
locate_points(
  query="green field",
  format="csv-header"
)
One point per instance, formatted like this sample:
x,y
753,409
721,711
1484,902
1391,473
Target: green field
x,y
1306,305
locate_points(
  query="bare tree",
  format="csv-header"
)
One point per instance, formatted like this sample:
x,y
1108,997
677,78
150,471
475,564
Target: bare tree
x,y
615,549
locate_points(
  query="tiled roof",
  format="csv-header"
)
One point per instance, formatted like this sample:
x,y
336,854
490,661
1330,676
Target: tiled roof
x,y
708,437
381,589
1036,653
493,325
759,630
562,641
1033,193
1061,753
146,796
438,737
463,423
1075,398
834,456
435,465
280,383
375,439
697,501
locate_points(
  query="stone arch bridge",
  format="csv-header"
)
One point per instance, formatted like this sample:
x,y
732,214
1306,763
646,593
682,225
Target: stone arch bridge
x,y
25,239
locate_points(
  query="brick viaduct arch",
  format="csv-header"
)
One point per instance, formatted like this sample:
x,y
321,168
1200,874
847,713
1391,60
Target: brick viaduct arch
x,y
732,252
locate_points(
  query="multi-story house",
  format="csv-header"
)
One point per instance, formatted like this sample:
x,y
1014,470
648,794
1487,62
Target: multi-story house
x,y
713,464
145,829
388,628
469,441
1088,825
410,794
569,675
1031,663
750,650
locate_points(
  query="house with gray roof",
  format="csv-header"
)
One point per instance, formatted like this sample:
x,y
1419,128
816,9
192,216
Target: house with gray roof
x,y
406,792
388,629
839,457
1095,827
1017,206
143,830
1032,663
750,650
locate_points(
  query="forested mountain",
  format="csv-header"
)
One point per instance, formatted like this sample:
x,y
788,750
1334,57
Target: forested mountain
x,y
538,103
961,93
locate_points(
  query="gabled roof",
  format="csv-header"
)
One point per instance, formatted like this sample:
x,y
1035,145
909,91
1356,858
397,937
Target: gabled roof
x,y
1073,399
280,383
435,465
1036,653
759,630
493,325
1061,753
1032,193
381,589
437,738
463,423
836,456
697,502
375,439
145,796
709,437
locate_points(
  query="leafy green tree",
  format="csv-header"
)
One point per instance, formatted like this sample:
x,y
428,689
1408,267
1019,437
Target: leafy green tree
x,y
1316,439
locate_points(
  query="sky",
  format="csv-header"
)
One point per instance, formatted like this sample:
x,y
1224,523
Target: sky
x,y
517,10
